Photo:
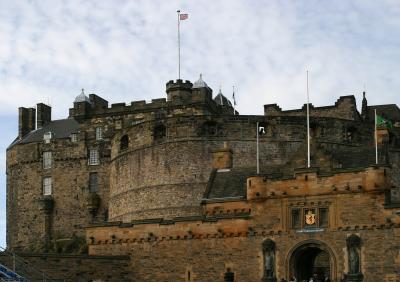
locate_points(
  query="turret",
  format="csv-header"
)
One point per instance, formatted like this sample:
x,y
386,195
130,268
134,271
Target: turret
x,y
81,106
179,90
200,88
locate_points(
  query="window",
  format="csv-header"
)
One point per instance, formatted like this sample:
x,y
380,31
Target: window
x,y
74,137
159,132
296,219
47,186
93,182
209,128
118,124
46,160
47,137
323,217
99,133
93,157
124,143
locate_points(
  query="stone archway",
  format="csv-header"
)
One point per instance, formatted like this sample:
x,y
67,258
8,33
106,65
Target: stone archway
x,y
311,258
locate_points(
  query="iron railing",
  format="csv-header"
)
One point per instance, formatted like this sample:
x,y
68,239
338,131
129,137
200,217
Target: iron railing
x,y
25,269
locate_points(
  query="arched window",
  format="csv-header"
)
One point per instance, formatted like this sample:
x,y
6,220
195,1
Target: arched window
x,y
159,131
124,142
209,128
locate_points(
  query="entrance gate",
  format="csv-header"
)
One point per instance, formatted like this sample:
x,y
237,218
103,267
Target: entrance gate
x,y
311,259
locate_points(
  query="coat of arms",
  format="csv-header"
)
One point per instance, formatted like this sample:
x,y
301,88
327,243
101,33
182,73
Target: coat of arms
x,y
310,217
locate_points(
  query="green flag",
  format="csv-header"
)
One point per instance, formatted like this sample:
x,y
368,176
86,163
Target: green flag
x,y
382,122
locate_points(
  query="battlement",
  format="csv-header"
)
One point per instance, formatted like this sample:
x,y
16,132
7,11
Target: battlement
x,y
310,182
179,90
179,93
344,108
178,84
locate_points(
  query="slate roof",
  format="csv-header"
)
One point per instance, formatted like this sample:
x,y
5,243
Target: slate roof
x,y
62,128
230,184
200,83
389,111
221,100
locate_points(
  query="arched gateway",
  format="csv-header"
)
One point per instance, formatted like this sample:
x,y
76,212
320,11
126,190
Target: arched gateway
x,y
312,258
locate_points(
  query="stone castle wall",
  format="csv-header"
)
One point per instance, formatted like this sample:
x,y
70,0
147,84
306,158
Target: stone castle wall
x,y
167,177
152,178
208,259
29,226
231,234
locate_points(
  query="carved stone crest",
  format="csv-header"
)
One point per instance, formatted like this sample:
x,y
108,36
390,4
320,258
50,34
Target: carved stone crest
x,y
310,217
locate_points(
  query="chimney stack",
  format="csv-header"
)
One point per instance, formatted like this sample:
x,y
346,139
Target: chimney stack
x,y
43,115
222,158
26,121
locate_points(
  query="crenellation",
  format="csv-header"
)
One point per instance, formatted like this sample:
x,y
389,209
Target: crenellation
x,y
344,108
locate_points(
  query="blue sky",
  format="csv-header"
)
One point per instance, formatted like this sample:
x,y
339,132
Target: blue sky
x,y
127,50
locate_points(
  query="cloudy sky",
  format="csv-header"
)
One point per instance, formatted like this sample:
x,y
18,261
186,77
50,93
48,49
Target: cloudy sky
x,y
127,50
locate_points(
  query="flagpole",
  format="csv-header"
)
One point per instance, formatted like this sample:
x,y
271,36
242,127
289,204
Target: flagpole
x,y
376,141
179,47
308,126
234,102
258,156
220,96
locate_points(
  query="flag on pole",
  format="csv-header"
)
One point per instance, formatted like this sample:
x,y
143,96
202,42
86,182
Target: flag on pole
x,y
382,122
234,100
183,17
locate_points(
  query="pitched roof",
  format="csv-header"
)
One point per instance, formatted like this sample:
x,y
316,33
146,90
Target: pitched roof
x,y
62,128
227,184
221,100
389,111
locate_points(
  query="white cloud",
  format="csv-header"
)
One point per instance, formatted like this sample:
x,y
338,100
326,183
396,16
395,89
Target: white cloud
x,y
128,51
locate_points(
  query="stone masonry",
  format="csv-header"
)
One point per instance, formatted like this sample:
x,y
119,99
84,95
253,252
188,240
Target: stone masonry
x,y
172,184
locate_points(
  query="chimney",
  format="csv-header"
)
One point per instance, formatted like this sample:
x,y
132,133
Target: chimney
x,y
222,158
26,121
43,115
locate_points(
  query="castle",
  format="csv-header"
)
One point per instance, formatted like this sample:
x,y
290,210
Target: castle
x,y
172,185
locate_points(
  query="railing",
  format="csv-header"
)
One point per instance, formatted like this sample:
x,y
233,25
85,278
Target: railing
x,y
25,269
8,274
